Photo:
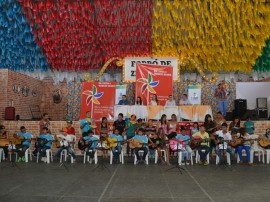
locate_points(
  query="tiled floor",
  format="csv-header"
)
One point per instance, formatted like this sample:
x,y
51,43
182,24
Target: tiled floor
x,y
133,183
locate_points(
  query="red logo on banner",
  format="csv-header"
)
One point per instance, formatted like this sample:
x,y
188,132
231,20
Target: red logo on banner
x,y
154,79
98,98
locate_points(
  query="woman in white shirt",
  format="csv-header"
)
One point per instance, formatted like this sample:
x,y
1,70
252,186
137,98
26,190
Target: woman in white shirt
x,y
154,101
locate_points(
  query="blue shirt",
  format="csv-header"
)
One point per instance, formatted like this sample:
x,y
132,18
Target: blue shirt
x,y
118,137
194,130
88,139
249,126
143,138
265,135
122,102
183,137
26,135
48,137
86,124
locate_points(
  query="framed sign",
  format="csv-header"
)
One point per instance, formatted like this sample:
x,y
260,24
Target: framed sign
x,y
129,74
195,94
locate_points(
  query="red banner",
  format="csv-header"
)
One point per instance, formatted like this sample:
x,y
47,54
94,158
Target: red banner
x,y
154,79
98,98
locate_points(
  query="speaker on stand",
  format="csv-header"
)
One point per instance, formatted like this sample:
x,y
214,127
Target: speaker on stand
x,y
240,108
262,108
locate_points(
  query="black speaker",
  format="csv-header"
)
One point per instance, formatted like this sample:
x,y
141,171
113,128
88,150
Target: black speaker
x,y
262,102
229,116
263,113
240,107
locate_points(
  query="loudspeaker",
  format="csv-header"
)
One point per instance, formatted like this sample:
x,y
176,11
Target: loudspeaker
x,y
240,107
10,113
229,116
262,102
263,113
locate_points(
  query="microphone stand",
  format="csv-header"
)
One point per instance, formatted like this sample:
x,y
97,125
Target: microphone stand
x,y
12,159
101,165
63,163
177,166
224,162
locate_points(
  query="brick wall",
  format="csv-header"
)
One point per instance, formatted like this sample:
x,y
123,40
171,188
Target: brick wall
x,y
21,102
3,91
44,98
33,128
56,112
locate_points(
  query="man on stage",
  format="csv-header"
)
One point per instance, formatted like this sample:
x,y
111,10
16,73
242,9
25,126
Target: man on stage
x,y
221,96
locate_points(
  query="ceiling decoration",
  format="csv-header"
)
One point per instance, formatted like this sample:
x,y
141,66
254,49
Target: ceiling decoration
x,y
263,62
78,36
83,35
220,35
18,51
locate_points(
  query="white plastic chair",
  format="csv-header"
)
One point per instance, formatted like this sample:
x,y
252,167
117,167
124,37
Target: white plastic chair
x,y
267,156
28,153
228,158
256,148
87,157
64,153
2,154
180,154
121,157
49,156
140,153
198,157
156,155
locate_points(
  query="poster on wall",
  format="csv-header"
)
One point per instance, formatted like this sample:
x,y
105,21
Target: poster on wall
x,y
119,91
154,79
99,99
195,94
129,74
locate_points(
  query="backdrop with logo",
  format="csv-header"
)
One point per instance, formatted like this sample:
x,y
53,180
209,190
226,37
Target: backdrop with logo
x,y
129,73
154,79
194,94
98,98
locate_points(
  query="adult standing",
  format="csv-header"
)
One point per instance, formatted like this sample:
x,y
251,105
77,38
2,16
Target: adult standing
x,y
44,122
87,124
131,126
221,97
120,124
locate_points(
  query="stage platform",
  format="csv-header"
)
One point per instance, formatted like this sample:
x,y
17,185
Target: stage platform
x,y
133,183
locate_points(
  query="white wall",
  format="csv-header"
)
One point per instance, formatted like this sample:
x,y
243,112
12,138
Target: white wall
x,y
252,90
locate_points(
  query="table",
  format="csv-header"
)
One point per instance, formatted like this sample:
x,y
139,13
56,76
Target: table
x,y
189,112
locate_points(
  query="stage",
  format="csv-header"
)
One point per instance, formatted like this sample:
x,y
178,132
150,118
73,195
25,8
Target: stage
x,y
130,183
